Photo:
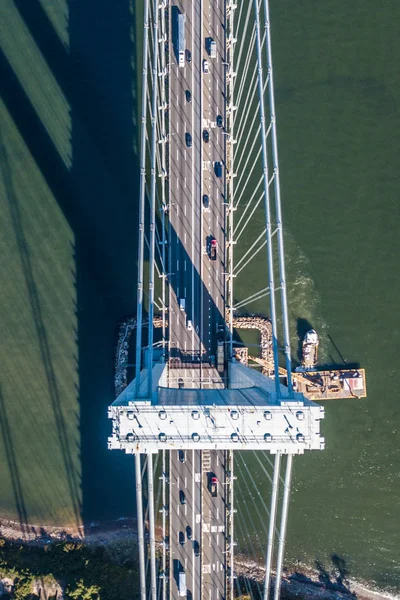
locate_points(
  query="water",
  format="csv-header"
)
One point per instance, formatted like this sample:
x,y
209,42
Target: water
x,y
337,90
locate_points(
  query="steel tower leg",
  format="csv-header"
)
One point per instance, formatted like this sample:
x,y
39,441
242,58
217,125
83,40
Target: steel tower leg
x,y
277,188
142,194
271,529
232,531
164,503
139,512
282,532
150,482
267,207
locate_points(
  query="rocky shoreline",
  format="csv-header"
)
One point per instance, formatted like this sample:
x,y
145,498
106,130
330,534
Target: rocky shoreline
x,y
299,581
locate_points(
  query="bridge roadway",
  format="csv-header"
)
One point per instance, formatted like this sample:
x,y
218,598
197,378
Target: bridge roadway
x,y
193,276
200,281
205,516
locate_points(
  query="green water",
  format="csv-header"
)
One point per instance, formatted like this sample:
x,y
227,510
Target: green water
x,y
337,95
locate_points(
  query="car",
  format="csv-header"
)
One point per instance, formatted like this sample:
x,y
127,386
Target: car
x,y
206,202
188,139
189,532
219,121
188,56
218,169
182,497
188,96
205,66
180,383
181,455
189,325
206,136
181,538
212,249
196,548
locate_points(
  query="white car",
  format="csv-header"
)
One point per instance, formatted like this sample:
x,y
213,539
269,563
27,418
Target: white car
x,y
205,66
189,325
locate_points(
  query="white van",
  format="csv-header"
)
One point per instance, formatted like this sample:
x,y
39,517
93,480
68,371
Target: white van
x,y
182,584
182,303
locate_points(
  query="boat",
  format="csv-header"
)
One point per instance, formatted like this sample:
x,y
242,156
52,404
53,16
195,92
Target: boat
x,y
310,349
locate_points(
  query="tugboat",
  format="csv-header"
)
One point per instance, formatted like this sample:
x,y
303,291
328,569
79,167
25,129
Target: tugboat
x,y
310,349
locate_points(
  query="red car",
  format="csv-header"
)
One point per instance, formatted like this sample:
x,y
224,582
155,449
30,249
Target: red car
x,y
213,249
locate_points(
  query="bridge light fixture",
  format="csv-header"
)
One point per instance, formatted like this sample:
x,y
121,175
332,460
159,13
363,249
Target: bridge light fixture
x,y
267,415
162,437
267,437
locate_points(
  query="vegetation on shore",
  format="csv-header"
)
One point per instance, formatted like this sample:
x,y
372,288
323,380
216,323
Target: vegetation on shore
x,y
87,572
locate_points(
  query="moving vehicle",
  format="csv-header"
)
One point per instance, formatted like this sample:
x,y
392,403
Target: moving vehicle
x,y
181,39
182,497
181,455
205,66
181,538
189,325
219,121
180,383
182,304
212,48
206,136
310,349
188,139
213,484
188,96
218,169
213,249
189,532
182,584
188,56
206,202
196,548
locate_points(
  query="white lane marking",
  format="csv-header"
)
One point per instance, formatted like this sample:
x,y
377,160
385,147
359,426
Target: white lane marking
x,y
177,265
177,99
185,510
185,265
177,319
177,183
185,204
177,509
217,454
217,539
177,154
185,188
185,345
177,127
185,290
217,513
185,482
185,237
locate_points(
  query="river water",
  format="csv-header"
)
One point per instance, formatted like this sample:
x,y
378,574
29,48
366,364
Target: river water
x,y
337,94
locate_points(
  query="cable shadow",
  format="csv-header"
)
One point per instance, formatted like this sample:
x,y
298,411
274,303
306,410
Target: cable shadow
x,y
13,467
42,337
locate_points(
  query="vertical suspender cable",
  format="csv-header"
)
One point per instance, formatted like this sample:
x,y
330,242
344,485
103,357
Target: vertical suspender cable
x,y
164,508
230,146
271,528
142,194
150,483
232,530
282,532
139,513
267,199
152,199
277,190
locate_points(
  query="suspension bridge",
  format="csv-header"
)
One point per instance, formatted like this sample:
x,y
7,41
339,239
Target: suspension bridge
x,y
193,414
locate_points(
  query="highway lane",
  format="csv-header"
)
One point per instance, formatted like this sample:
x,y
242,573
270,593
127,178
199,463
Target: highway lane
x,y
185,477
214,544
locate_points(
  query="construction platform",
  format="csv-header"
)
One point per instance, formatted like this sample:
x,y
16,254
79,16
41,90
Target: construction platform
x,y
331,385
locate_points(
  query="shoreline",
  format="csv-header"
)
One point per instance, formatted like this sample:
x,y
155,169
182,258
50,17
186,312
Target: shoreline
x,y
299,581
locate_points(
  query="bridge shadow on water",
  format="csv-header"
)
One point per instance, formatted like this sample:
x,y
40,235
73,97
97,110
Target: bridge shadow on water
x,y
98,195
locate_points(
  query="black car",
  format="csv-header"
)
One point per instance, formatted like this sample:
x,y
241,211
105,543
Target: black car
x,y
188,96
181,538
206,202
218,169
219,121
188,139
206,136
196,548
189,532
188,56
182,497
181,454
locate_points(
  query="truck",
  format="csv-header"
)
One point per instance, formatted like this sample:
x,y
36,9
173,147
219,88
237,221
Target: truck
x,y
213,485
181,39
212,48
182,583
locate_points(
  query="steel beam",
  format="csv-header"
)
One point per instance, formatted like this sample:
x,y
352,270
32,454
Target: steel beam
x,y
267,208
142,194
271,528
277,190
282,532
140,528
150,487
